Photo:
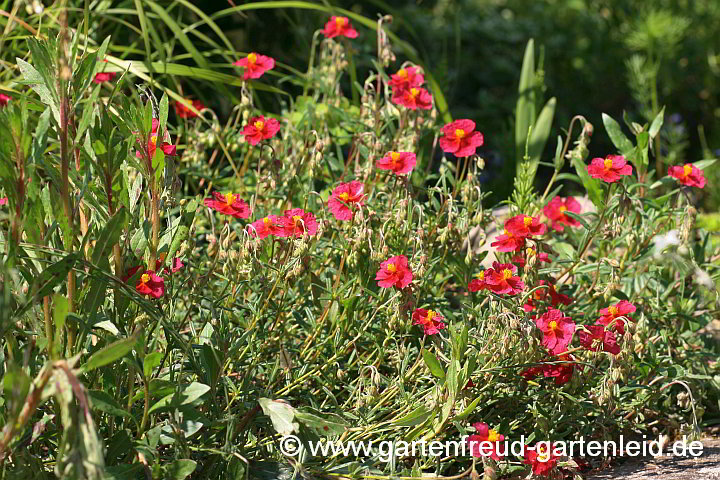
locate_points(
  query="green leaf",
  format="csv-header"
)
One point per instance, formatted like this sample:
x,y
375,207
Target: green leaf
x,y
541,133
657,123
188,395
105,403
433,364
181,469
151,361
321,425
621,142
703,164
110,235
592,185
60,311
49,279
110,353
416,417
281,414
525,107
468,410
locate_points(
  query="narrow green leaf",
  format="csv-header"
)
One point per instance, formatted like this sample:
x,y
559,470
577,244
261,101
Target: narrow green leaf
x,y
621,142
110,235
110,353
657,123
433,364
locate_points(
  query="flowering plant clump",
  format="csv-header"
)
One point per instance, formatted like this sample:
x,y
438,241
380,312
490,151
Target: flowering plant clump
x,y
320,255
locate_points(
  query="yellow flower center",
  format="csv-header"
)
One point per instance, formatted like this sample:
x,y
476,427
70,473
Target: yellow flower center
x,y
481,275
687,170
340,21
252,58
391,267
145,278
230,198
153,139
459,133
414,92
402,73
344,196
395,156
527,221
543,454
562,208
530,252
493,436
297,219
553,325
259,125
613,310
608,163
430,315
267,221
507,274
508,234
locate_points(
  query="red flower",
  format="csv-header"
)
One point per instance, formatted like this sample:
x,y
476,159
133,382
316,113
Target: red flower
x,y
555,211
258,128
503,279
479,283
612,314
228,204
688,175
265,226
339,27
150,284
598,339
398,162
182,110
430,320
507,242
525,226
406,78
562,370
4,99
104,77
175,265
460,138
394,271
609,169
296,222
557,330
412,98
541,458
255,65
345,196
530,252
152,144
486,442
3,201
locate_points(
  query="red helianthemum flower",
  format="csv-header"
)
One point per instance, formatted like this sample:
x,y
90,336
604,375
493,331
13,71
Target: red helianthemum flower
x,y
503,279
460,138
430,320
412,98
339,27
406,78
611,316
296,222
175,265
182,110
228,204
525,226
557,330
486,442
688,175
344,197
255,65
104,77
260,128
4,99
3,201
167,149
150,284
598,339
398,162
541,458
394,271
507,242
264,227
609,169
555,212
479,283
